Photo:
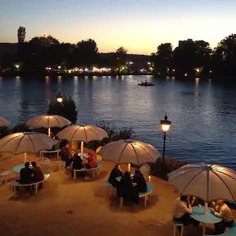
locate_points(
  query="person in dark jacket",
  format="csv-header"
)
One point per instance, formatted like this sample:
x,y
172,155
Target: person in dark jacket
x,y
26,174
140,181
77,163
116,172
126,190
38,174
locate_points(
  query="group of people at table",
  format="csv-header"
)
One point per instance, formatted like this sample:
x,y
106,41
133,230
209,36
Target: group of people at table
x,y
128,186
76,160
183,210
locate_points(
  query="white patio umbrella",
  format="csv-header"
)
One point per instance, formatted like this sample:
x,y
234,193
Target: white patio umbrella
x,y
4,122
82,133
129,151
48,121
27,142
208,182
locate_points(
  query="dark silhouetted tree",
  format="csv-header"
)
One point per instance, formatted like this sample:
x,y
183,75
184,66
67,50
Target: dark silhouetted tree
x,y
66,109
191,55
40,52
120,58
45,41
21,33
163,58
85,53
224,58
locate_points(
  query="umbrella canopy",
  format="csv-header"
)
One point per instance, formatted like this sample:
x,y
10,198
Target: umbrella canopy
x,y
28,142
129,151
48,121
4,122
208,182
82,133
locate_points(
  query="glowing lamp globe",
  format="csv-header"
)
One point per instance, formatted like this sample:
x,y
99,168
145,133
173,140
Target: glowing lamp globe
x,y
165,124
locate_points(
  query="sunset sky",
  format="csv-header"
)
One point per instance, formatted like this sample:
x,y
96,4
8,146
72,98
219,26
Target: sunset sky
x,y
138,25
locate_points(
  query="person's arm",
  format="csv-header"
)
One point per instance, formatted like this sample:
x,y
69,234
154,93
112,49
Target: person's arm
x,y
187,209
33,172
219,214
213,204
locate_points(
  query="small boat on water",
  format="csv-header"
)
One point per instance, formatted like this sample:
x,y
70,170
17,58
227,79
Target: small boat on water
x,y
146,83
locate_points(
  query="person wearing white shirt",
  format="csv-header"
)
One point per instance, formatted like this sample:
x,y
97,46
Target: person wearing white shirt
x,y
183,211
221,210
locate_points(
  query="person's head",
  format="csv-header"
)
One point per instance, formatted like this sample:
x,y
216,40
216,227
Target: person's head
x,y
220,202
117,167
67,145
184,198
27,164
75,154
33,163
90,156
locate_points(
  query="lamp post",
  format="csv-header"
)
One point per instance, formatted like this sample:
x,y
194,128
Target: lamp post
x,y
165,126
59,98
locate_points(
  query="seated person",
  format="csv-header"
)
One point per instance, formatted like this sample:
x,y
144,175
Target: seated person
x,y
52,135
183,210
26,174
138,178
65,155
221,210
193,201
38,174
76,162
116,172
126,189
92,163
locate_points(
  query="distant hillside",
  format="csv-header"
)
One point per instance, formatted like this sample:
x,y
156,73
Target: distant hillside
x,y
8,48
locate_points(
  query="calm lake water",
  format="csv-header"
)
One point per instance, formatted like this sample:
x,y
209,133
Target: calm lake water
x,y
203,114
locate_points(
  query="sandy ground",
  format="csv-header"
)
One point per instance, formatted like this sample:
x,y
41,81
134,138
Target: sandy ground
x,y
80,207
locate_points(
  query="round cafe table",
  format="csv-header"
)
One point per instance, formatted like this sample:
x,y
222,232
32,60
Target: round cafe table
x,y
18,168
198,214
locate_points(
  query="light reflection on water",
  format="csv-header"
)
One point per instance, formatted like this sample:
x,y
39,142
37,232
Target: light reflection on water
x,y
202,113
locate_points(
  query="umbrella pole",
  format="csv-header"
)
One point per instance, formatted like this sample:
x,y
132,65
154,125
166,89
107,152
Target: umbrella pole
x,y
129,167
207,197
205,208
82,148
49,131
25,157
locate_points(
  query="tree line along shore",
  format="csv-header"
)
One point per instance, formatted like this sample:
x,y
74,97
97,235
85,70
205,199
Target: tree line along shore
x,y
46,55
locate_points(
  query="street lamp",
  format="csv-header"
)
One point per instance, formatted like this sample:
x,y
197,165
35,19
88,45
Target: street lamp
x,y
165,126
59,98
